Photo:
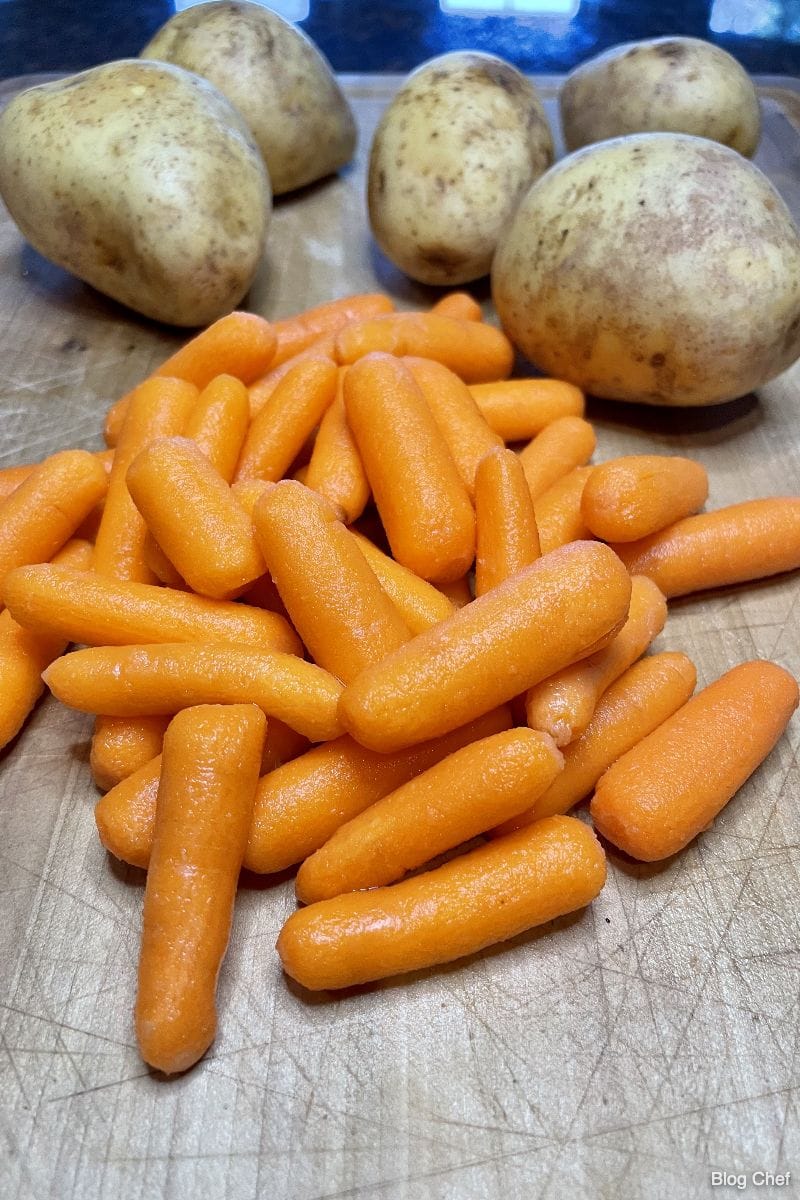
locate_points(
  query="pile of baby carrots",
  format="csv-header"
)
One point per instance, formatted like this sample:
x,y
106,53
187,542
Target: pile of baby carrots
x,y
271,572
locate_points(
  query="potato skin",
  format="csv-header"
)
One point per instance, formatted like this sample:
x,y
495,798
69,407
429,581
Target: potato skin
x,y
672,84
453,154
276,77
143,181
657,268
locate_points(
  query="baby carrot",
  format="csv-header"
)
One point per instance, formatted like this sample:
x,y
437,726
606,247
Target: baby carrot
x,y
459,305
423,503
507,539
295,334
567,443
121,745
458,592
518,409
657,798
205,799
731,545
450,803
419,603
335,469
299,804
219,421
45,510
630,498
160,407
332,595
478,899
563,704
260,392
466,434
158,680
294,409
558,511
475,351
195,518
96,611
12,477
560,609
636,704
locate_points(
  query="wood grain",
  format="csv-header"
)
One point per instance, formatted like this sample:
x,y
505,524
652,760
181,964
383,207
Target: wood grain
x,y
626,1051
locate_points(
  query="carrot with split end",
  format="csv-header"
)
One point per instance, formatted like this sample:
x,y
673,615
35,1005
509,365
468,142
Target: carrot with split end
x,y
475,351
558,511
636,704
669,788
159,407
630,498
219,421
453,801
562,608
299,804
195,518
295,408
478,899
507,538
422,501
332,595
260,392
466,434
107,612
568,443
563,704
295,334
518,409
46,509
158,680
737,544
335,469
459,305
122,745
419,603
240,344
209,772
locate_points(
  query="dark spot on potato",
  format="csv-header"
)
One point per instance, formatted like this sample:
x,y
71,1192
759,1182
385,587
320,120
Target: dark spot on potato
x,y
673,51
441,258
381,182
72,343
564,233
657,360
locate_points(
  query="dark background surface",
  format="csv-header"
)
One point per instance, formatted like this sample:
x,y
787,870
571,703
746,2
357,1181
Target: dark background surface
x,y
368,35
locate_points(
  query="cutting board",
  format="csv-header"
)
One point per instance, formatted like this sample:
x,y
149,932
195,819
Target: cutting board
x,y
626,1051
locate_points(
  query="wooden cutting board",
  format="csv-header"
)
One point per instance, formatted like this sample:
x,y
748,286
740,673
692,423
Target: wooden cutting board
x,y
628,1050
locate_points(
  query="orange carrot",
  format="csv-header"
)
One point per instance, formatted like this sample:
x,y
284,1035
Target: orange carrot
x,y
97,611
160,407
422,501
558,511
122,745
295,334
458,592
636,704
630,498
282,744
335,469
459,305
507,538
45,510
195,518
453,801
160,565
669,788
560,609
332,595
260,392
158,680
12,477
567,443
419,603
563,704
219,421
205,800
518,409
299,804
475,351
487,896
294,409
731,545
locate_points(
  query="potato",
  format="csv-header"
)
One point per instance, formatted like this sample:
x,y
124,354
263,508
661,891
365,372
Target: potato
x,y
676,84
275,76
658,268
143,181
454,153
